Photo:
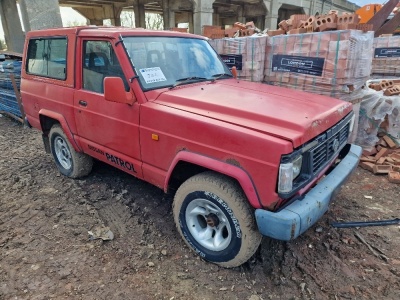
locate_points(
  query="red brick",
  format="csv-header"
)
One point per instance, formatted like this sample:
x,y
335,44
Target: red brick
x,y
381,161
297,31
365,27
368,159
395,156
239,25
369,152
367,166
284,25
381,153
381,169
390,160
382,142
345,26
392,91
390,142
275,32
386,84
394,177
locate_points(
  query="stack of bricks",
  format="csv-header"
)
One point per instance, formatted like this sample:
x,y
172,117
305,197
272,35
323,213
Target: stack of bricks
x,y
389,87
386,56
238,30
383,159
241,30
213,32
331,63
248,54
332,21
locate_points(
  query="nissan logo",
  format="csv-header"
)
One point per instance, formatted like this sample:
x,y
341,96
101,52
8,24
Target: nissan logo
x,y
335,145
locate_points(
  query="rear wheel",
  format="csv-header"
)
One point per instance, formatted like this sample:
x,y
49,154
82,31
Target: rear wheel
x,y
69,162
214,218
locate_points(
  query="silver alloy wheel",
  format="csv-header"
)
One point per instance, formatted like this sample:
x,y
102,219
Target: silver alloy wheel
x,y
208,224
63,154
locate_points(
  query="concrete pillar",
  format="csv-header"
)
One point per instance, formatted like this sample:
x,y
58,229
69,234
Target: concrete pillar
x,y
12,26
271,20
240,17
165,15
172,22
191,23
40,14
202,14
140,15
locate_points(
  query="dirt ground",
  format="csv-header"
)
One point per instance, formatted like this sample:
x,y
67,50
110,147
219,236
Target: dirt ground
x,y
46,253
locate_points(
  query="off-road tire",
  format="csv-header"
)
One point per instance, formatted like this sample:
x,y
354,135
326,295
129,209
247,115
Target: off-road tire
x,y
225,197
69,162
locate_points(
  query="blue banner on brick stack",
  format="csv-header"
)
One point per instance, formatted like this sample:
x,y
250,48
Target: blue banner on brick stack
x,y
8,99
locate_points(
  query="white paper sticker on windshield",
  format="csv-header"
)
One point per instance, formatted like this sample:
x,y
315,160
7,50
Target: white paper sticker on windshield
x,y
151,75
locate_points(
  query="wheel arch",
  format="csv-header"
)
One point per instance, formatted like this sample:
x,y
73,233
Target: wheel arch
x,y
48,119
187,164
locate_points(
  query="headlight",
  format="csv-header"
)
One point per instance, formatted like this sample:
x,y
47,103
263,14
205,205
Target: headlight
x,y
287,173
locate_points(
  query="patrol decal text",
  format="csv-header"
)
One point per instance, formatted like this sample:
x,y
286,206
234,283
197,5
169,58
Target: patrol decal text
x,y
114,159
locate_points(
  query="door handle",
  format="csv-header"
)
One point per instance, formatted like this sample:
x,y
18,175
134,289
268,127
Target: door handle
x,y
82,103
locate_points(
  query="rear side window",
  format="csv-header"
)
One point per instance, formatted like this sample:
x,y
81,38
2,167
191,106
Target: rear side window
x,y
47,57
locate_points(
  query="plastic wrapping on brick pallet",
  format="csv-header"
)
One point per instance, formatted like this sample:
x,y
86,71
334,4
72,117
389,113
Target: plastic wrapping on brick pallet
x,y
246,53
386,57
377,113
8,100
332,63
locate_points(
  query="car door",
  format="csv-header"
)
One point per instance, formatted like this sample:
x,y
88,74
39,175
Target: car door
x,y
106,130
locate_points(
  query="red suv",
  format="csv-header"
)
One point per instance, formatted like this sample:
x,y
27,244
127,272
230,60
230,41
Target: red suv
x,y
245,159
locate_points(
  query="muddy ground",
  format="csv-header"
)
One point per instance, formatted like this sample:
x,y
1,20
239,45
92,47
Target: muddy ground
x,y
46,253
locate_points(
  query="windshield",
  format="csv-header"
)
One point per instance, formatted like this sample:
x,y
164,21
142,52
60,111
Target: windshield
x,y
164,61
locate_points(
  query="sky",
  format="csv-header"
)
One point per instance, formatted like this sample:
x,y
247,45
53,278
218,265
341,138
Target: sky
x,y
364,2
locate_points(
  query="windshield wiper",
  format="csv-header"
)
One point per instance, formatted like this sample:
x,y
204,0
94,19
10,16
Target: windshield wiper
x,y
183,80
218,76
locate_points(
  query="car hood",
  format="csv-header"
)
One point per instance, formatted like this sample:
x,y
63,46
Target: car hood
x,y
288,114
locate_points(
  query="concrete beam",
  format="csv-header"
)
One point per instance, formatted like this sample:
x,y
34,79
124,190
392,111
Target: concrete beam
x,y
96,15
12,26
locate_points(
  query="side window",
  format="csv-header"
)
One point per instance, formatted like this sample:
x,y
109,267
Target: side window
x,y
99,61
47,57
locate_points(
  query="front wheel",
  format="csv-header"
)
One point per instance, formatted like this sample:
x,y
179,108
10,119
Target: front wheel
x,y
69,162
214,218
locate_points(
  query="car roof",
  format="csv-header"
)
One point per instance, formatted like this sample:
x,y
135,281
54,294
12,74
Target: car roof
x,y
108,31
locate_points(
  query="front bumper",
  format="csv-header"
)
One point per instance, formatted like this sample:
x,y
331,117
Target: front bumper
x,y
288,223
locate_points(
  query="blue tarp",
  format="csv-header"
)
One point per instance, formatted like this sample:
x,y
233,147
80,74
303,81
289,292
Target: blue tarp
x,y
8,99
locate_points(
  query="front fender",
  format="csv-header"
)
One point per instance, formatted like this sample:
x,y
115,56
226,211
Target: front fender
x,y
64,125
222,167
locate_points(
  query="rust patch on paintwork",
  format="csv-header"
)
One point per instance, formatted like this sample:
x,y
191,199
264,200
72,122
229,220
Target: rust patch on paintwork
x,y
233,162
273,205
316,123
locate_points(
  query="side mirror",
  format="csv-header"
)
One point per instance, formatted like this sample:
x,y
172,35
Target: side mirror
x,y
234,72
114,91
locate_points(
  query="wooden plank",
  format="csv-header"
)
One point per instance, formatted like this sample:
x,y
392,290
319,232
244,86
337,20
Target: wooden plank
x,y
381,16
11,116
